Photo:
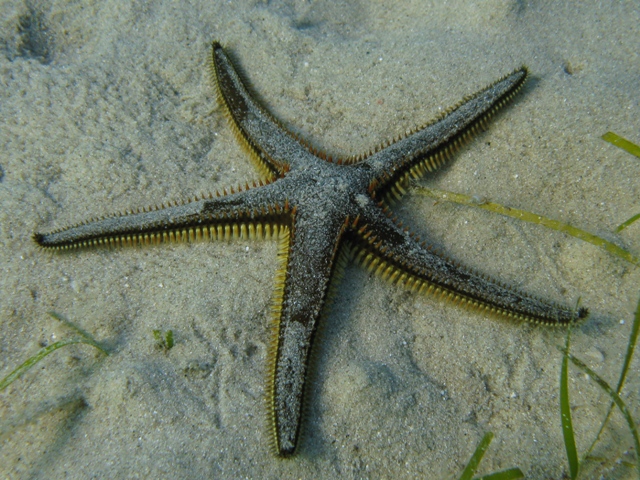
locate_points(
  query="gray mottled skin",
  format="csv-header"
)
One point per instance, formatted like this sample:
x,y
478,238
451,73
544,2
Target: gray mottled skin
x,y
324,201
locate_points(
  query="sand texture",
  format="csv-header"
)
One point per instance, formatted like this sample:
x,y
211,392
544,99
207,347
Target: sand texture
x,y
108,106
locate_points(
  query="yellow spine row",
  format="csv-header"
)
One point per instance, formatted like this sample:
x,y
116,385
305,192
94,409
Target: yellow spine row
x,y
277,301
436,160
229,231
344,257
265,169
395,275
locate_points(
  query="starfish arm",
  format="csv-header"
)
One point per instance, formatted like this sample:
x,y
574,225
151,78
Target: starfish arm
x,y
427,147
255,212
276,149
396,254
301,294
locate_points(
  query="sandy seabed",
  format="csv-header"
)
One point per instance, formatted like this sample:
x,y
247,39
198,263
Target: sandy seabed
x,y
108,106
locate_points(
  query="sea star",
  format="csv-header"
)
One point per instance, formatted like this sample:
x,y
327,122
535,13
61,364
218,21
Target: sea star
x,y
324,212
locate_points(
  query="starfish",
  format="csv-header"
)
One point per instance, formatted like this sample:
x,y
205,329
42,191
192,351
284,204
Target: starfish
x,y
324,212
